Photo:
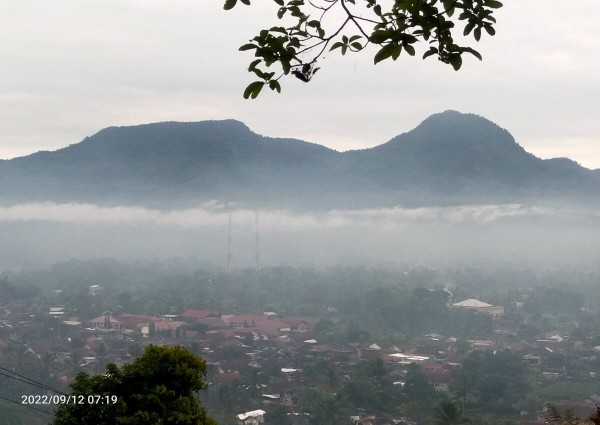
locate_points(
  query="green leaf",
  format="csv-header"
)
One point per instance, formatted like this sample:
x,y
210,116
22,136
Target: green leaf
x,y
279,2
274,85
281,12
379,36
468,28
336,45
477,34
473,52
281,30
246,2
449,6
354,38
247,47
253,89
259,73
493,4
229,4
253,64
389,50
431,51
455,60
490,29
409,49
356,45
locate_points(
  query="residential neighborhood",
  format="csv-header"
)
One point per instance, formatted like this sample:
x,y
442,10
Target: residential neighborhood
x,y
273,368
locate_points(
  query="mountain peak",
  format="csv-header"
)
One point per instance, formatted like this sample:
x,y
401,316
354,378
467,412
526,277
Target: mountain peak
x,y
453,124
162,127
456,130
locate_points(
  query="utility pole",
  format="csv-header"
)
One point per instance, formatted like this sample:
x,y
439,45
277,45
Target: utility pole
x,y
229,246
257,244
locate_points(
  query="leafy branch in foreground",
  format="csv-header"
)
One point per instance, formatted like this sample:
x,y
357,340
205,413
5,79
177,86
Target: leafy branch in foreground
x,y
312,27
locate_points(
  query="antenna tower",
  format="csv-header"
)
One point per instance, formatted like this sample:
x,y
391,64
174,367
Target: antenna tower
x,y
229,246
257,243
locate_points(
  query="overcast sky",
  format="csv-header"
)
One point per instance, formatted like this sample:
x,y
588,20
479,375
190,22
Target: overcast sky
x,y
70,68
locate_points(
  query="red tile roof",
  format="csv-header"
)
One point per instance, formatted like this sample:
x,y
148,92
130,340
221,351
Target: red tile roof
x,y
197,314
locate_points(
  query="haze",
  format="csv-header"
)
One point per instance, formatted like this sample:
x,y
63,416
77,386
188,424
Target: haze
x,y
37,235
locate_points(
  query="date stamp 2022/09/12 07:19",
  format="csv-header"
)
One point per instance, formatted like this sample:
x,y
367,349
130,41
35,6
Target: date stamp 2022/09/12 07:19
x,y
97,399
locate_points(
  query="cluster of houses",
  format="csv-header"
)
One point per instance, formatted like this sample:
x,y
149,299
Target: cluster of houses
x,y
264,341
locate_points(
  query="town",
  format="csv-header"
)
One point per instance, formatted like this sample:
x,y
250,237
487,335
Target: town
x,y
361,346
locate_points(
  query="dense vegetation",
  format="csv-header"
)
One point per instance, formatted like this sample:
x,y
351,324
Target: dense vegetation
x,y
352,305
159,387
381,301
449,158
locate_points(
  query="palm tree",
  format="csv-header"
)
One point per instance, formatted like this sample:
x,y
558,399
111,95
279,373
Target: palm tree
x,y
555,417
446,412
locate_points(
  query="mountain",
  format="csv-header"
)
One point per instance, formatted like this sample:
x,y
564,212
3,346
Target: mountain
x,y
163,163
458,158
449,158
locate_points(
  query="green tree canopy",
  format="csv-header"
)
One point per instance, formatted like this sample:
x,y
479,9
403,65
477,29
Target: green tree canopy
x,y
492,375
417,387
309,28
158,388
447,412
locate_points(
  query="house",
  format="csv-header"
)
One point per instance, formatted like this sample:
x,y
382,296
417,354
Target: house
x,y
439,376
170,328
437,348
377,420
210,323
300,324
257,322
96,289
253,417
191,315
56,311
346,353
287,392
290,373
480,306
401,358
106,321
132,321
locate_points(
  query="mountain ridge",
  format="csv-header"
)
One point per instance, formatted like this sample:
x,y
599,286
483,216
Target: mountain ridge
x,y
448,158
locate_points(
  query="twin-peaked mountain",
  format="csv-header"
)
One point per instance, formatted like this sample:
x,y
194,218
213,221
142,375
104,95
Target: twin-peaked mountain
x,y
450,158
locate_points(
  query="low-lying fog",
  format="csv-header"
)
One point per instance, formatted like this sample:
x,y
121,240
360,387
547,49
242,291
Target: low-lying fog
x,y
35,235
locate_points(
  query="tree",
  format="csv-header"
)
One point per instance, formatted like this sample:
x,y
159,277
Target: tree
x,y
446,412
554,417
276,415
418,394
495,376
312,27
326,412
416,387
158,388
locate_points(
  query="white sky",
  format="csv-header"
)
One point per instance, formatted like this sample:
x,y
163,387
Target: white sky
x,y
70,68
